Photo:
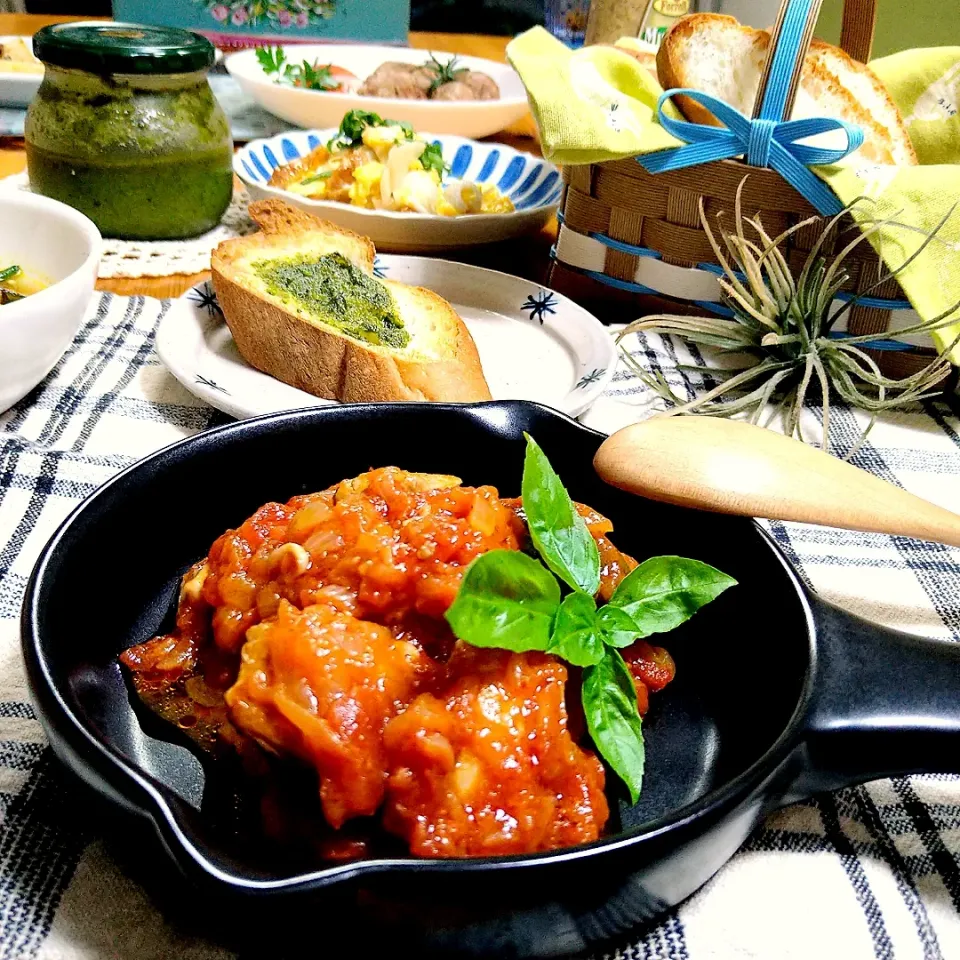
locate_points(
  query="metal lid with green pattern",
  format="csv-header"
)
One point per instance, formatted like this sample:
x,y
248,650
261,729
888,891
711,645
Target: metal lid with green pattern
x,y
104,47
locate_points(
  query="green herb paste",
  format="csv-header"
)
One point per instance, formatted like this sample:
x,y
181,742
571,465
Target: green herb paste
x,y
333,290
146,158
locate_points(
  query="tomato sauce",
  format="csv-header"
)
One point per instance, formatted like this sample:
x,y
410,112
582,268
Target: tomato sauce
x,y
315,631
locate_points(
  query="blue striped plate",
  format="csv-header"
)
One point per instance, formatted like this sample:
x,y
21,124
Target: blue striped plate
x,y
532,184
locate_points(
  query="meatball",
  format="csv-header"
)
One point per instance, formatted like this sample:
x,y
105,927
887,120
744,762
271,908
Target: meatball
x,y
321,685
483,87
392,79
487,766
454,90
468,85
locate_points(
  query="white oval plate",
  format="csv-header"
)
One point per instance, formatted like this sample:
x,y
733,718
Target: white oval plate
x,y
316,108
534,344
17,89
532,184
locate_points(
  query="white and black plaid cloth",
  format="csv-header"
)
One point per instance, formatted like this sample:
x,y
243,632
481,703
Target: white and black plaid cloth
x,y
873,871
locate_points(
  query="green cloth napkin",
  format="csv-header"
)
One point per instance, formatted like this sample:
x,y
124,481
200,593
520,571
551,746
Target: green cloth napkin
x,y
598,103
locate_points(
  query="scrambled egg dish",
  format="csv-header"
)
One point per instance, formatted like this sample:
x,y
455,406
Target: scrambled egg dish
x,y
385,166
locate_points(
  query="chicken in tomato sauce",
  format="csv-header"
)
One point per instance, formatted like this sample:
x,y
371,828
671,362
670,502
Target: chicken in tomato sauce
x,y
314,634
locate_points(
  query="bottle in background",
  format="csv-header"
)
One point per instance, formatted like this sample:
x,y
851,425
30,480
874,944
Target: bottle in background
x,y
661,16
612,19
567,20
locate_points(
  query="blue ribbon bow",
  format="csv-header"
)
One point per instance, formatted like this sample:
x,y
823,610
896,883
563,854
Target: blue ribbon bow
x,y
764,143
769,141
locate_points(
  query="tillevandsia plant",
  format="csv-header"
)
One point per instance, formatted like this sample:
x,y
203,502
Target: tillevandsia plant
x,y
512,601
781,330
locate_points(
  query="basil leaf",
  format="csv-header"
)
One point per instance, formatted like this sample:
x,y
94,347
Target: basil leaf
x,y
557,530
663,592
506,600
576,634
616,627
610,706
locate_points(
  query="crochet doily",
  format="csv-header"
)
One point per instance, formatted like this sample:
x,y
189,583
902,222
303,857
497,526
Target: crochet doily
x,y
162,258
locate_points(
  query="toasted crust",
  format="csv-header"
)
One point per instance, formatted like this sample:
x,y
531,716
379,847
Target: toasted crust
x,y
861,79
832,83
670,65
317,358
281,224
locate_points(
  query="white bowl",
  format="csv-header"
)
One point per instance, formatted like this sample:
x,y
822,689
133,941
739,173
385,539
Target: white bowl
x,y
316,108
62,245
17,89
532,184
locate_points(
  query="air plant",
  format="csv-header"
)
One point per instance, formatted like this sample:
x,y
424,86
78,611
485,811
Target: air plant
x,y
780,331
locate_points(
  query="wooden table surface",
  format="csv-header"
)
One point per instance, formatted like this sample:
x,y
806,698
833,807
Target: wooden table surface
x,y
526,257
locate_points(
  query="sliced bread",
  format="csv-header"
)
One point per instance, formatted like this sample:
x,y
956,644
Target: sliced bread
x,y
869,93
303,305
716,54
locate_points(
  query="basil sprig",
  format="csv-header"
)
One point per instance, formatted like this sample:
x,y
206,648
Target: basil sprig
x,y
512,601
556,529
506,600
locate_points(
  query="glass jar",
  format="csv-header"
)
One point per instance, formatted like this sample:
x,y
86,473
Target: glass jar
x,y
567,20
126,129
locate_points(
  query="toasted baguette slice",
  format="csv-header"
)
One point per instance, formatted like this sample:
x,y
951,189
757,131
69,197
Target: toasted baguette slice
x,y
869,92
718,55
281,337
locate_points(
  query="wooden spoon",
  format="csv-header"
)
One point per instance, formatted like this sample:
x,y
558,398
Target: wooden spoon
x,y
732,467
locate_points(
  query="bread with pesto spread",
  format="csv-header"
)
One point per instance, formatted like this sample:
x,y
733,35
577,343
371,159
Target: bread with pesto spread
x,y
302,302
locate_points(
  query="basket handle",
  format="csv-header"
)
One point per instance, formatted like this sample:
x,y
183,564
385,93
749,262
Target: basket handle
x,y
856,32
789,42
859,20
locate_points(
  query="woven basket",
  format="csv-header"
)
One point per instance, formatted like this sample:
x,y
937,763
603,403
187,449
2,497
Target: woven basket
x,y
631,242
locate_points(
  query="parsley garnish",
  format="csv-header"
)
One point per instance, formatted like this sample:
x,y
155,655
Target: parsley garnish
x,y
273,60
432,159
354,122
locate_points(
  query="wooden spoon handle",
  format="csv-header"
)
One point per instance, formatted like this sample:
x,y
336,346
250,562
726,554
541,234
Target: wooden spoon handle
x,y
732,467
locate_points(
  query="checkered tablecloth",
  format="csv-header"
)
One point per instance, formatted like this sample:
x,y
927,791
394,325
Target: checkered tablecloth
x,y
872,871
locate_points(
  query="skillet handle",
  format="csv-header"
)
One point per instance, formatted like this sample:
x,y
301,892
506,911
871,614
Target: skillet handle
x,y
883,703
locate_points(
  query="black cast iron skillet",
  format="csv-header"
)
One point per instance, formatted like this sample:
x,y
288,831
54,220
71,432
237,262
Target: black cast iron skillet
x,y
778,694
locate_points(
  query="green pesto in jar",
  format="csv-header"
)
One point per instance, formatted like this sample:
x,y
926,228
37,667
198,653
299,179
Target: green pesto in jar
x,y
146,154
336,292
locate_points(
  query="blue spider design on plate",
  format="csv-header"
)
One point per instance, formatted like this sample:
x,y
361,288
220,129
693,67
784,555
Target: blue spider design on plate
x,y
206,299
592,377
379,268
540,305
212,384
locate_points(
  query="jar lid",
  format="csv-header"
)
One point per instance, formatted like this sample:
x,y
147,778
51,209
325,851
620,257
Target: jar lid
x,y
103,47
